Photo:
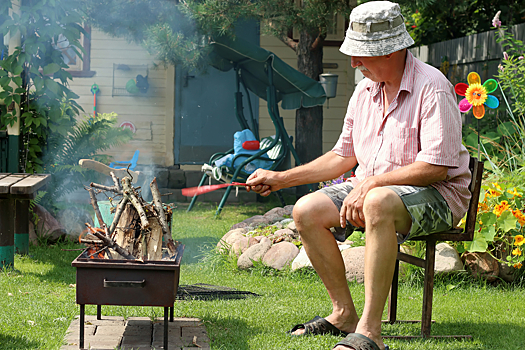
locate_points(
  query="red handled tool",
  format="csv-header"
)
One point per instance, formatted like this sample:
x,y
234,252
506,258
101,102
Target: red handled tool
x,y
192,191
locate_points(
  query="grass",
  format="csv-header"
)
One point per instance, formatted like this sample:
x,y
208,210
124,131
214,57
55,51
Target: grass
x,y
37,302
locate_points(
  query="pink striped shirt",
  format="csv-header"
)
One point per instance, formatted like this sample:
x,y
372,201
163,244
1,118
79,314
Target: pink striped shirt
x,y
422,123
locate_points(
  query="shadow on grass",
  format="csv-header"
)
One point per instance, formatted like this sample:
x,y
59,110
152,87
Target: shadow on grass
x,y
229,333
58,257
16,342
494,336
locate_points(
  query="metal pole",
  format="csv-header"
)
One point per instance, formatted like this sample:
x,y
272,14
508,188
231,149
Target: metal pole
x,y
7,236
22,227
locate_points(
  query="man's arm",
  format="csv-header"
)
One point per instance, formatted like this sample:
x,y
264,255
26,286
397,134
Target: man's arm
x,y
415,174
327,167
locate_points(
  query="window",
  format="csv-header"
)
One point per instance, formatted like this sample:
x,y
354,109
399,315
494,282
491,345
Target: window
x,y
77,67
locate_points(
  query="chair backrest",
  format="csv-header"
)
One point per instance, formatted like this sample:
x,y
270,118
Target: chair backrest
x,y
476,168
273,153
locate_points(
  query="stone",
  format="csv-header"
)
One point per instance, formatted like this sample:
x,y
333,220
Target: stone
x,y
482,265
240,246
276,211
289,210
447,259
291,226
257,220
230,238
254,253
506,272
286,222
281,254
354,260
162,176
46,226
239,225
302,260
274,218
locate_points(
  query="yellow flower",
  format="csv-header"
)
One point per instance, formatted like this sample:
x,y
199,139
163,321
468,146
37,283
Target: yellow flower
x,y
476,94
516,251
492,193
495,184
514,193
519,240
483,207
517,266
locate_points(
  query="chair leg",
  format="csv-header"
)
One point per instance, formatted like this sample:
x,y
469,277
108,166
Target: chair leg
x,y
392,297
223,200
194,199
428,291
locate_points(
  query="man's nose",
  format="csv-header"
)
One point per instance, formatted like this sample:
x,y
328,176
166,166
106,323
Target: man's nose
x,y
354,61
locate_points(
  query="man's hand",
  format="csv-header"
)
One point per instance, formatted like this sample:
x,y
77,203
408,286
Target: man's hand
x,y
263,182
352,208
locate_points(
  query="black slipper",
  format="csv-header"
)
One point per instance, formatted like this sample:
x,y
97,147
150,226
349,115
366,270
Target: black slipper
x,y
317,326
358,341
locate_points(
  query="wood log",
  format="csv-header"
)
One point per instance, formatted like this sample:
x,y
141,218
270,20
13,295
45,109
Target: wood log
x,y
118,213
116,181
128,229
110,243
153,240
94,204
157,203
129,193
106,188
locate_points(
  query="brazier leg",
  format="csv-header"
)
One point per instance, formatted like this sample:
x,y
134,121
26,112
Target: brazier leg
x,y
165,328
82,317
99,312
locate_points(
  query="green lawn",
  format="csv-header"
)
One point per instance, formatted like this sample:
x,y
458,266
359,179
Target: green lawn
x,y
37,302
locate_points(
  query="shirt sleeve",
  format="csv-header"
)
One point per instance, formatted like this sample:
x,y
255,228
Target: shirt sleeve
x,y
440,132
345,144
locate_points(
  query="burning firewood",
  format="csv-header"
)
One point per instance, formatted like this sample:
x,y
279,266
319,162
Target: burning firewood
x,y
138,227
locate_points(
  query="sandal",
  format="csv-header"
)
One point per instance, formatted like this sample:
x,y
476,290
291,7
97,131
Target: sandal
x,y
317,326
358,341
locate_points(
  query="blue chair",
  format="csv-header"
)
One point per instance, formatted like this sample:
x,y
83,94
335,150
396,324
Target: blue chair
x,y
124,164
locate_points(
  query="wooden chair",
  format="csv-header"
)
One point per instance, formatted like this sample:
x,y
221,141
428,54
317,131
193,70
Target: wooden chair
x,y
428,263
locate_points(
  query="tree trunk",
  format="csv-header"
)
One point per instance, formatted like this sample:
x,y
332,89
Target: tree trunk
x,y
309,121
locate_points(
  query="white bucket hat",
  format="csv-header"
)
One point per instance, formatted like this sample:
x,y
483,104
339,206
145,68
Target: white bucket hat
x,y
376,28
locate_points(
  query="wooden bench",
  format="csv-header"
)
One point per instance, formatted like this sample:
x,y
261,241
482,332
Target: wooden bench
x,y
15,192
428,263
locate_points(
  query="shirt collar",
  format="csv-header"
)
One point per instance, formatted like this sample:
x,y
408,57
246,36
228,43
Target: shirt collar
x,y
406,81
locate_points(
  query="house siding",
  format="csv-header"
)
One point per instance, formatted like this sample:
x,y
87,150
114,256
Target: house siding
x,y
151,113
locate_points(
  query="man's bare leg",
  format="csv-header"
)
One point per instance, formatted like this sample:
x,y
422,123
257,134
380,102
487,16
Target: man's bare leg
x,y
384,214
314,214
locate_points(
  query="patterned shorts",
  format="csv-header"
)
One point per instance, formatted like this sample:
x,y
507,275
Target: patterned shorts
x,y
427,208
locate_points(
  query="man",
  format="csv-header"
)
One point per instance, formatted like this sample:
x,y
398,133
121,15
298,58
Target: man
x,y
403,128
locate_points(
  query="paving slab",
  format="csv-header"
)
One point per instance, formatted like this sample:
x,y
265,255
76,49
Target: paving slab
x,y
137,333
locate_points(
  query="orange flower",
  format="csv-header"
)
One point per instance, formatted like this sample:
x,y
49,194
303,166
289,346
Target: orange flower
x,y
517,252
495,184
514,192
519,215
476,94
500,208
492,193
517,266
483,207
519,240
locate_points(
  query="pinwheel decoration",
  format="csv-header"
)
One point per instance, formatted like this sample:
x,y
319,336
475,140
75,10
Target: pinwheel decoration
x,y
477,95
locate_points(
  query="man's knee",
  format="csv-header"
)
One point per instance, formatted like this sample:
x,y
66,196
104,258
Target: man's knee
x,y
314,209
384,205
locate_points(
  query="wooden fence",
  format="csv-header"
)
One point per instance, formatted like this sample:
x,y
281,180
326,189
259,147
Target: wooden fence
x,y
474,53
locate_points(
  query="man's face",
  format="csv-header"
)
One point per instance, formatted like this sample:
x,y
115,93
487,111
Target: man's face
x,y
373,68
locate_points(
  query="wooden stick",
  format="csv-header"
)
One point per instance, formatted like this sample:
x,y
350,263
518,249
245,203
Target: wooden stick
x,y
110,243
94,204
106,188
118,213
128,193
157,204
91,241
116,181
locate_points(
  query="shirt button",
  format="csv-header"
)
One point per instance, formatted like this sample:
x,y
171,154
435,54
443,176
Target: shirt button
x,y
381,133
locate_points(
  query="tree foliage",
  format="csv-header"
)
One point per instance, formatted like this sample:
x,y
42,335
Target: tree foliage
x,y
431,21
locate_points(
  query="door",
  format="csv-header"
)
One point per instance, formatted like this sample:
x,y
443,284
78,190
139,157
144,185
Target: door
x,y
205,111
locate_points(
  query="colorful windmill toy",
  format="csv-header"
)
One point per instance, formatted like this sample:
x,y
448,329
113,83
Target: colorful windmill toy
x,y
477,95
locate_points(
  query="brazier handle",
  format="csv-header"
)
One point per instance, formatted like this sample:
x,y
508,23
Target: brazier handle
x,y
124,284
